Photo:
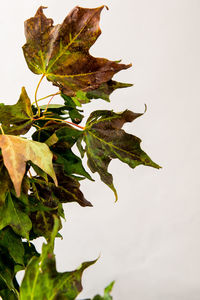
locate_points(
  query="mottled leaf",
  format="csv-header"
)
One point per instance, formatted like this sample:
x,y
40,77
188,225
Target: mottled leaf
x,y
103,92
17,151
17,119
42,281
66,191
11,215
105,140
62,52
41,205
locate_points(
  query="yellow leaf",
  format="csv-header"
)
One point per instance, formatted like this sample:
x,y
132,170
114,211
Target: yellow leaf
x,y
17,151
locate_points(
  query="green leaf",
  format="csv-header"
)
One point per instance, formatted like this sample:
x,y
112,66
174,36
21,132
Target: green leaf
x,y
13,245
105,140
6,294
74,113
6,276
17,151
107,292
17,119
42,281
5,184
11,215
62,52
61,138
29,252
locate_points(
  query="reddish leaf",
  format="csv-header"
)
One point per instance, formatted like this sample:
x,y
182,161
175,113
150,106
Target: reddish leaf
x,y
61,52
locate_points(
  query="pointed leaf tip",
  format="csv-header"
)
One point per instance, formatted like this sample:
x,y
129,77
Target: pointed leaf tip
x,y
105,140
62,52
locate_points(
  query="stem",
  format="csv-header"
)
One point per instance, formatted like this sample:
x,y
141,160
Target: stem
x,y
48,104
37,126
58,93
53,119
2,131
36,102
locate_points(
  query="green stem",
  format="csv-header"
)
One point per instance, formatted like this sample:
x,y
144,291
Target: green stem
x,y
36,101
2,131
58,93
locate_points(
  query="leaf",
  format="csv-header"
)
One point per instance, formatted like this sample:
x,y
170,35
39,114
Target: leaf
x,y
61,138
103,92
17,119
13,245
29,252
42,281
6,294
107,292
6,276
105,140
66,191
11,215
61,52
17,151
74,113
5,184
41,205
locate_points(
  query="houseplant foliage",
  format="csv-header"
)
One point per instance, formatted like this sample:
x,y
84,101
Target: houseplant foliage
x,y
39,175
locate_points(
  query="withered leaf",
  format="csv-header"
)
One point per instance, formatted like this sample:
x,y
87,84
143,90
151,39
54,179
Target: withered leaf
x,y
61,52
105,140
17,119
17,151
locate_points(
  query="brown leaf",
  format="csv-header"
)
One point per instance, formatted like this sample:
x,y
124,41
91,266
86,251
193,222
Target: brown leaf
x,y
61,52
17,151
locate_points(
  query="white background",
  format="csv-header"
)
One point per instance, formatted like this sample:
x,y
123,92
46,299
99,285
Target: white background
x,y
149,240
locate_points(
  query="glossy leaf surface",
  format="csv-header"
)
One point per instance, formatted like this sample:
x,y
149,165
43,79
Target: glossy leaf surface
x,y
61,52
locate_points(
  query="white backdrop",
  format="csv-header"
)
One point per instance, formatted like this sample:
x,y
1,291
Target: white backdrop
x,y
150,240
